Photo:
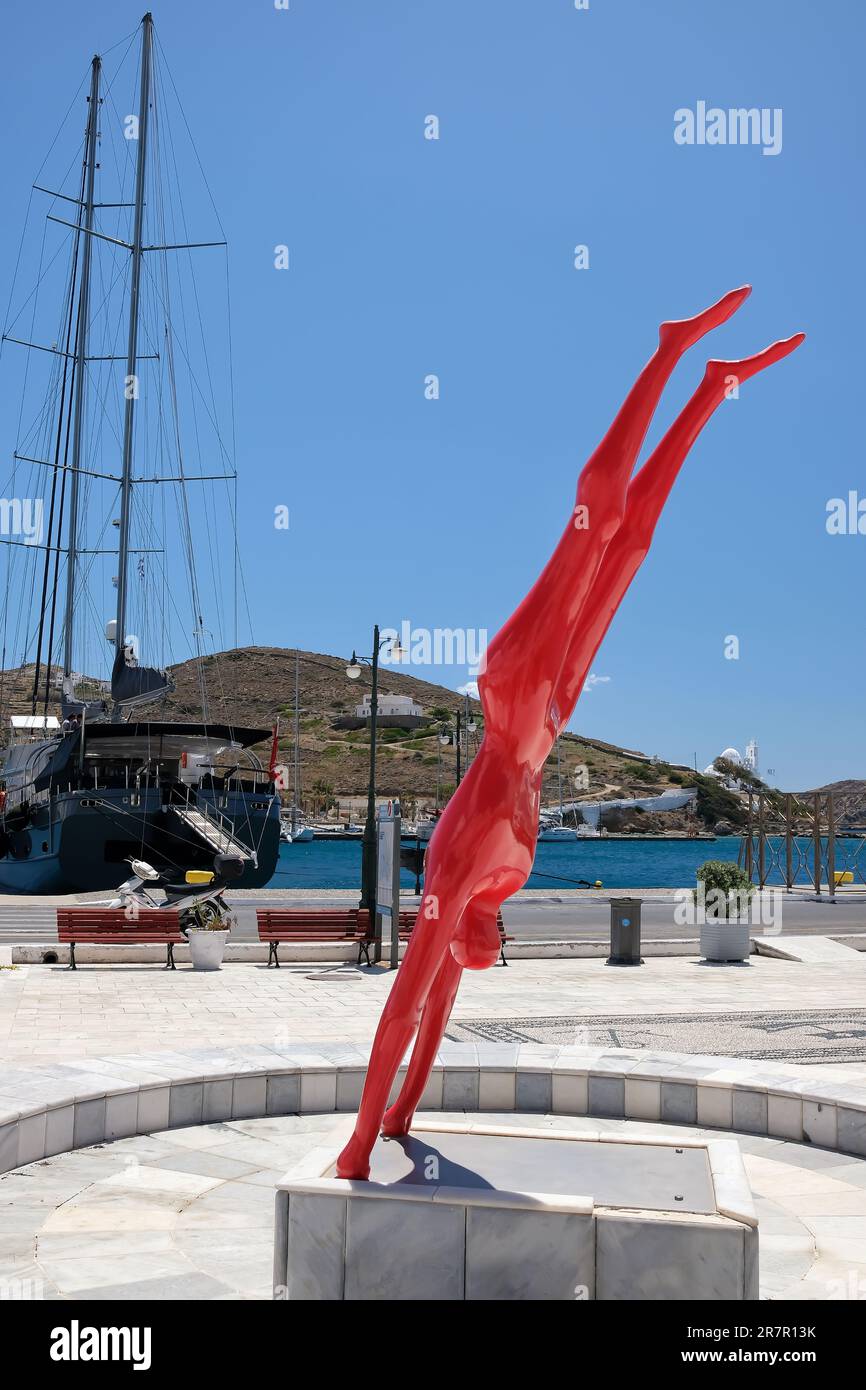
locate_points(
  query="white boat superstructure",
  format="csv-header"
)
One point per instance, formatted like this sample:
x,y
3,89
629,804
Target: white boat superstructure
x,y
556,833
421,830
294,832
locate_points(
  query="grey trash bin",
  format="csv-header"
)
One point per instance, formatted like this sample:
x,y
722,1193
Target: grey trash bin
x,y
625,931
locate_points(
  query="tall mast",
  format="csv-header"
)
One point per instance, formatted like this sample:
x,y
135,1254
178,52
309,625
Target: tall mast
x,y
132,351
81,359
297,740
559,778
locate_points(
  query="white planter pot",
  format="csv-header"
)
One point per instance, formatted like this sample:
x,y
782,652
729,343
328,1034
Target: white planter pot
x,y
206,948
725,940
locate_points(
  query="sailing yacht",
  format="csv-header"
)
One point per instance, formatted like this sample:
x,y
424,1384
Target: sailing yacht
x,y
557,833
105,448
298,834
550,829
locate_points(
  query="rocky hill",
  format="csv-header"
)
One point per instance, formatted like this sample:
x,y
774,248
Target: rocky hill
x,y
848,788
252,686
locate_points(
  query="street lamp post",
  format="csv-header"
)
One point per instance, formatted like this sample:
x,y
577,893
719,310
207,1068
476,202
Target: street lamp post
x,y
368,845
457,747
464,725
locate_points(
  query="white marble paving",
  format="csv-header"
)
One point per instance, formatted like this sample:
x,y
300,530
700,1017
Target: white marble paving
x,y
48,1014
89,1225
203,1190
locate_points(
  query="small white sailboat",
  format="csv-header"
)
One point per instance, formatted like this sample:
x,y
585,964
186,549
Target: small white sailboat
x,y
554,829
292,831
558,833
301,834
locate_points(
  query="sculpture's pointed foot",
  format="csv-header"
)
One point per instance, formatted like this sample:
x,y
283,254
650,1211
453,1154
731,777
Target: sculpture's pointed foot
x,y
682,334
745,367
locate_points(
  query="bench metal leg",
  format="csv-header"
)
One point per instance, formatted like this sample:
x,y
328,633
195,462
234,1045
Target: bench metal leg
x,y
169,956
273,954
364,950
502,953
72,965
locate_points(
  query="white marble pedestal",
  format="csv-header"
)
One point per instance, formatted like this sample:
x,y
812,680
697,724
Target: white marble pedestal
x,y
474,1212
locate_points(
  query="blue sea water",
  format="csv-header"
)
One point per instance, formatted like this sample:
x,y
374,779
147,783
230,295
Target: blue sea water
x,y
618,863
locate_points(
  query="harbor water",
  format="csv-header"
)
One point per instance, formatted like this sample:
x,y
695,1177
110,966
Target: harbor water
x,y
618,863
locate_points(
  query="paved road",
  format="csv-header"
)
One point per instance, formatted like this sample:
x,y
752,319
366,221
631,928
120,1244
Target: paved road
x,y
586,920
546,919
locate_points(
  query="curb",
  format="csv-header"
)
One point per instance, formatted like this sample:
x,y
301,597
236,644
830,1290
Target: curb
x,y
49,1110
254,953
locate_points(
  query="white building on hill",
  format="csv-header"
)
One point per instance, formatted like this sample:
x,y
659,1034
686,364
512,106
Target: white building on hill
x,y
731,755
389,704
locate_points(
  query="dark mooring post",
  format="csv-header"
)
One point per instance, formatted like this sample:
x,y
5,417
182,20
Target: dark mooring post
x,y
789,841
831,847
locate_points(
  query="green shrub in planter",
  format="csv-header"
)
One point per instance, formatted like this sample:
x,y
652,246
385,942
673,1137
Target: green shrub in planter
x,y
725,887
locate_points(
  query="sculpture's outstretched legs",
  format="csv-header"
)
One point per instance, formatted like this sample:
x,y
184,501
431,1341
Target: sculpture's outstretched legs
x,y
530,642
647,494
608,469
434,1021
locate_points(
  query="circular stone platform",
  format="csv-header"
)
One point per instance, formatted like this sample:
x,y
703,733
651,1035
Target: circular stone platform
x,y
189,1213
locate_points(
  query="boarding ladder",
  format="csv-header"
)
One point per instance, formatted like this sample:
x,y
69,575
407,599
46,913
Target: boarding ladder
x,y
214,832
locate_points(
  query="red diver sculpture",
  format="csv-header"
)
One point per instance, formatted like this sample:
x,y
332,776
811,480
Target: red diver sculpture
x,y
536,666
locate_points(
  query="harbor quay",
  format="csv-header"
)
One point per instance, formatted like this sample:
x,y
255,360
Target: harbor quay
x,y
570,920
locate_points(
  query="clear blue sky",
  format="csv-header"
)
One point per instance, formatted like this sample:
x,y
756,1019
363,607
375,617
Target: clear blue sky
x,y
454,257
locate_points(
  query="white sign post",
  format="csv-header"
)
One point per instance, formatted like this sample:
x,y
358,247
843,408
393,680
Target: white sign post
x,y
387,923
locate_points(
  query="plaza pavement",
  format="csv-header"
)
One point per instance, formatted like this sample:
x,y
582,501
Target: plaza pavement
x,y
188,1213
48,1013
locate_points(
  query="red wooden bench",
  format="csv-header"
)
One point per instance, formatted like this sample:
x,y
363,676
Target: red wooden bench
x,y
109,926
341,924
407,920
302,924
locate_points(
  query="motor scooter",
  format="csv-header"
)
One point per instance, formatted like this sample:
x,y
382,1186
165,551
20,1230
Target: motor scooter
x,y
197,895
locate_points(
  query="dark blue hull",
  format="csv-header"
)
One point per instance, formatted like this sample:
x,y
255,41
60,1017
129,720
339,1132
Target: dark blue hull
x,y
79,841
